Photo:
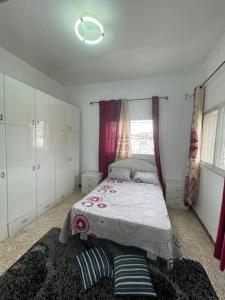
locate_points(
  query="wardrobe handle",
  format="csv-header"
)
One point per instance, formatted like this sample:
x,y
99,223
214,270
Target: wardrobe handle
x,y
38,167
33,168
33,123
37,123
1,117
3,174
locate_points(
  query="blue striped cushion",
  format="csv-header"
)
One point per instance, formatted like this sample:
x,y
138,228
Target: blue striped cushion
x,y
94,265
132,276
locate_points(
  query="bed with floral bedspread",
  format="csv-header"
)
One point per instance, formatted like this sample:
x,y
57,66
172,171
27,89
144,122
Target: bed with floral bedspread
x,y
128,213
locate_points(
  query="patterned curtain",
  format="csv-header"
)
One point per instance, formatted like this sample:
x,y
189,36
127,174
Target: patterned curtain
x,y
123,139
193,171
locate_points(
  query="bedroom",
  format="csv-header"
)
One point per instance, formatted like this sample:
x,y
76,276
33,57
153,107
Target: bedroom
x,y
100,135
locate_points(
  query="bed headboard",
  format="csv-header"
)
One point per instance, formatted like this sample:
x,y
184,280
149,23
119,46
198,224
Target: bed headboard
x,y
135,164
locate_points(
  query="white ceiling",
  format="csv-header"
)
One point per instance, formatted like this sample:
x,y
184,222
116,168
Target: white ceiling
x,y
143,38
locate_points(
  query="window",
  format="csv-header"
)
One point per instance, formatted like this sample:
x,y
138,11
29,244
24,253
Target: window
x,y
213,140
141,135
209,136
220,148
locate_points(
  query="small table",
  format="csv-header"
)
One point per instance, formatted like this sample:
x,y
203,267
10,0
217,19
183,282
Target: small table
x,y
174,193
90,180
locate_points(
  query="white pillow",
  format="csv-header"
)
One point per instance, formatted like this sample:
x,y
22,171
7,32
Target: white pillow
x,y
119,173
146,177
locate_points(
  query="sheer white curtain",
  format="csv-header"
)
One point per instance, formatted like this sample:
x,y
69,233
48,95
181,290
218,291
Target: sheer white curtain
x,y
123,140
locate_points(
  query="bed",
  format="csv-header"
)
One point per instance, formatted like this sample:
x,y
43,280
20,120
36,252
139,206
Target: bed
x,y
126,212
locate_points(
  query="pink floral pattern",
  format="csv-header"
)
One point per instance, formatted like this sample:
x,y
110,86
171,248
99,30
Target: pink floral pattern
x,y
194,145
193,171
80,223
101,205
94,199
106,187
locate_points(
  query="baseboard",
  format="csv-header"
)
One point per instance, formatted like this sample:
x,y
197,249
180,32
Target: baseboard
x,y
205,229
3,233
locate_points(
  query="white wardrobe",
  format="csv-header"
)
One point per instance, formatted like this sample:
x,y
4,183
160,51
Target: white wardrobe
x,y
39,154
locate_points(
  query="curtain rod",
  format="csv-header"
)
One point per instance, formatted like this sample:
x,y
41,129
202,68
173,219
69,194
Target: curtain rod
x,y
213,73
149,98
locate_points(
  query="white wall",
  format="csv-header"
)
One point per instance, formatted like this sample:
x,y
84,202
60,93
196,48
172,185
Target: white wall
x,y
174,124
18,69
211,186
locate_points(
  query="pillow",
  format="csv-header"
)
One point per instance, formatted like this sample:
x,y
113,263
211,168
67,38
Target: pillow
x,y
132,276
120,173
147,177
94,265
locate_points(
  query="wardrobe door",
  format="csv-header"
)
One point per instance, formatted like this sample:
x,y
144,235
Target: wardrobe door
x,y
21,171
19,103
73,148
45,106
2,106
77,160
61,162
45,158
73,118
70,161
60,114
76,119
3,185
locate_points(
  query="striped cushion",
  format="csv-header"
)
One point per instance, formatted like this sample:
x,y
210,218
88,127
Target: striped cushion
x,y
94,265
132,276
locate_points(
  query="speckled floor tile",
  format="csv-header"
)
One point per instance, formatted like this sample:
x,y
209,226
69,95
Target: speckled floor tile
x,y
194,241
196,245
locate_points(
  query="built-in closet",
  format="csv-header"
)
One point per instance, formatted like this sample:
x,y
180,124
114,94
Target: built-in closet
x,y
39,153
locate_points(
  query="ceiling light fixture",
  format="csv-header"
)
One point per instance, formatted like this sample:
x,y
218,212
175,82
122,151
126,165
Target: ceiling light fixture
x,y
89,30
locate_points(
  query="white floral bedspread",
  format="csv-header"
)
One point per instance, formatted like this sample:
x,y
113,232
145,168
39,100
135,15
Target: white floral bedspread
x,y
128,213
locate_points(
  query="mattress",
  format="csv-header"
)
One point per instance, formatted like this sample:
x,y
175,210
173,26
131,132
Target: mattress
x,y
128,213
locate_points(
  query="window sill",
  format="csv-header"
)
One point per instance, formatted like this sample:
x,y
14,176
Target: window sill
x,y
212,169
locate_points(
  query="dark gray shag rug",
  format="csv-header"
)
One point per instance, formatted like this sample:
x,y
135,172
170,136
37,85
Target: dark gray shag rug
x,y
49,271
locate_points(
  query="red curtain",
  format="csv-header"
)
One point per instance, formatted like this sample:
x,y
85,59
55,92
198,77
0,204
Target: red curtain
x,y
219,252
155,118
108,132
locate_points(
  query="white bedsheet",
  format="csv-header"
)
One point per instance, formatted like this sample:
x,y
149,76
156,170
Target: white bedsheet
x,y
129,213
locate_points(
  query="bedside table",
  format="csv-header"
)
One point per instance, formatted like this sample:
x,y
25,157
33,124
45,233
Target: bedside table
x,y
90,180
175,193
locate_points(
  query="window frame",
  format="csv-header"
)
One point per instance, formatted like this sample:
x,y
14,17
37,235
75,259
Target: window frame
x,y
140,155
213,167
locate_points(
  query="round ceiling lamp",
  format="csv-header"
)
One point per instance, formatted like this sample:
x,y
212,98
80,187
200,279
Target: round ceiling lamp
x,y
89,30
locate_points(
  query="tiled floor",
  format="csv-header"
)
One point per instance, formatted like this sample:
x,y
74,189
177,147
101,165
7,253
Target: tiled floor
x,y
194,242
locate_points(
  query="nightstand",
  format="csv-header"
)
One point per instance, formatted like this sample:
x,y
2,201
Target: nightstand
x,y
90,180
175,193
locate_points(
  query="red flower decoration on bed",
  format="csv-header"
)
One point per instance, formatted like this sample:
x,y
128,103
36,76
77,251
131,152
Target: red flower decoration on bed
x,y
101,205
94,199
106,187
80,223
